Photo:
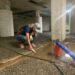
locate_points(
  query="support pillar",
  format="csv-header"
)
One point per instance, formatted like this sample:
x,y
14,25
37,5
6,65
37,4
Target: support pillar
x,y
58,19
39,21
6,19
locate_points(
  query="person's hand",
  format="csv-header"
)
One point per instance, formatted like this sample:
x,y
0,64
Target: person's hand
x,y
31,48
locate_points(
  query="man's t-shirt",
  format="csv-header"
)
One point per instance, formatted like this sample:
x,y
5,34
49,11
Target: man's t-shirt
x,y
26,29
22,34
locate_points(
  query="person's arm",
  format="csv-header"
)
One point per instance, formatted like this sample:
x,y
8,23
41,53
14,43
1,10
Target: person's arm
x,y
28,39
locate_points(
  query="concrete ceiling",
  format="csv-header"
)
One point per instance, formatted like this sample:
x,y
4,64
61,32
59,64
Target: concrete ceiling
x,y
25,5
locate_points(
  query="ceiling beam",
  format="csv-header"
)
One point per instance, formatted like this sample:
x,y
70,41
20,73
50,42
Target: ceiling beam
x,y
38,3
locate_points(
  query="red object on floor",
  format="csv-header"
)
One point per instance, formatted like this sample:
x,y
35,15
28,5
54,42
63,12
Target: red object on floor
x,y
57,51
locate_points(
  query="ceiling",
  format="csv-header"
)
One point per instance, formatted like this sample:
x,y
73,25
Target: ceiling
x,y
27,5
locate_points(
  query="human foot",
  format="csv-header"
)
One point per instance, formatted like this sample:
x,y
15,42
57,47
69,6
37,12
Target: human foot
x,y
21,46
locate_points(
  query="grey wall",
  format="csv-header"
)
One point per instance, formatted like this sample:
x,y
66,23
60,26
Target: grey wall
x,y
46,23
19,21
73,18
72,25
73,22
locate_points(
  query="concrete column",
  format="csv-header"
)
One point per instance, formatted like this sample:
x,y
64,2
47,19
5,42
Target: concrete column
x,y
39,21
58,19
6,19
6,23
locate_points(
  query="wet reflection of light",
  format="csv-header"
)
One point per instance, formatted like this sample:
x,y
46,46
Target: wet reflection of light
x,y
68,56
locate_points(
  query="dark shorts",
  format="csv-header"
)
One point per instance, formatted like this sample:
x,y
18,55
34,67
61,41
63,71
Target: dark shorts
x,y
22,38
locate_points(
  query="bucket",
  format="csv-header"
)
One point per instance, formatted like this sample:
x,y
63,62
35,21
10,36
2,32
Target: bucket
x,y
57,51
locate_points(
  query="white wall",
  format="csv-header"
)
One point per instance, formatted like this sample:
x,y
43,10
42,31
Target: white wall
x,y
6,23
